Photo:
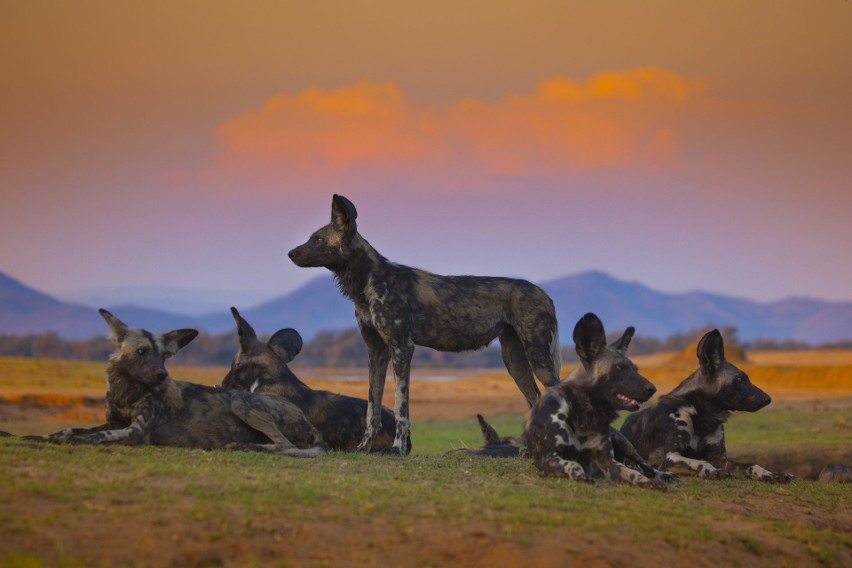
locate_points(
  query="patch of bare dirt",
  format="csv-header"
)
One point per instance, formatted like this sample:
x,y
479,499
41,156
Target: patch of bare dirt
x,y
104,535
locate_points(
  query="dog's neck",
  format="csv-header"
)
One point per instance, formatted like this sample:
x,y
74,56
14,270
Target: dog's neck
x,y
590,411
353,273
709,413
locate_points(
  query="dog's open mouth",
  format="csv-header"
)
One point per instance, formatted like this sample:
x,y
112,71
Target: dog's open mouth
x,y
628,403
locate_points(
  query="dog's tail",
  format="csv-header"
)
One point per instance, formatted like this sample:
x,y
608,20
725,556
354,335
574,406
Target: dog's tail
x,y
494,445
556,350
312,452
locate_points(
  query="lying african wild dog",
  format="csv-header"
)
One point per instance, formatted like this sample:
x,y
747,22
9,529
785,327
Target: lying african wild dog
x,y
684,431
398,307
262,368
146,406
567,431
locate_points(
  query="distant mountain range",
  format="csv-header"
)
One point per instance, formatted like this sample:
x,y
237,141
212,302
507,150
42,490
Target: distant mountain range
x,y
318,305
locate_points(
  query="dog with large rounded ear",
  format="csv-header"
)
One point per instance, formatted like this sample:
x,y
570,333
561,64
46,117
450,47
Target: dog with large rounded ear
x,y
589,339
245,332
711,355
286,343
622,343
176,340
117,328
343,215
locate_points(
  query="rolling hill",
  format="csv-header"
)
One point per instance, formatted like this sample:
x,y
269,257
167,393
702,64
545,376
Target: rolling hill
x,y
318,305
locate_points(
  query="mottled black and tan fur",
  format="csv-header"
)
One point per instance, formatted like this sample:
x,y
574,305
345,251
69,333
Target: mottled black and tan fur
x,y
684,431
568,430
398,307
261,367
144,405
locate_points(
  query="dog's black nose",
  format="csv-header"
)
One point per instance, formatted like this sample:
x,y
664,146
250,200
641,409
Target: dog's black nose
x,y
291,254
650,389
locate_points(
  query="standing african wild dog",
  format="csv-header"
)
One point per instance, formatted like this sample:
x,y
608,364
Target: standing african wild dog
x,y
568,430
398,307
146,406
684,431
262,368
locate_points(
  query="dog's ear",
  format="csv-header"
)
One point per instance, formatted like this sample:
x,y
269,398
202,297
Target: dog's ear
x,y
343,214
622,343
711,353
117,328
286,343
589,339
245,332
176,340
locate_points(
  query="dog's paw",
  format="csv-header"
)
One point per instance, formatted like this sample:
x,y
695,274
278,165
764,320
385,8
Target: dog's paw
x,y
656,484
782,477
714,474
666,476
392,451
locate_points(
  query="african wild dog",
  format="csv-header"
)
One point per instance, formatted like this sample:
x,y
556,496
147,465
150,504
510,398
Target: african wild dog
x,y
567,431
684,431
398,307
262,368
146,406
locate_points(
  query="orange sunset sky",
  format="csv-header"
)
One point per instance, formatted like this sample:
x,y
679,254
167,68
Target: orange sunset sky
x,y
684,145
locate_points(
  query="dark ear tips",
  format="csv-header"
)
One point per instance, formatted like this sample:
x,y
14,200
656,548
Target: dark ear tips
x,y
589,338
711,352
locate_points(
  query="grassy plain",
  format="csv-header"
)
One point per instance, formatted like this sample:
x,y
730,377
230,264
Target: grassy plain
x,y
91,506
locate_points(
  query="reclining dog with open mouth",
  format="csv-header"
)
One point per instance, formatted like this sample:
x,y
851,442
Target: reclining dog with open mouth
x,y
684,431
144,405
568,431
261,367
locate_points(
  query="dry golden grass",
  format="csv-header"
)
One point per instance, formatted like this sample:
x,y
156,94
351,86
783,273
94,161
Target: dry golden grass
x,y
68,386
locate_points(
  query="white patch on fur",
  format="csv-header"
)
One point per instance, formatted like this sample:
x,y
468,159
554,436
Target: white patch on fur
x,y
684,414
254,385
716,437
697,466
758,473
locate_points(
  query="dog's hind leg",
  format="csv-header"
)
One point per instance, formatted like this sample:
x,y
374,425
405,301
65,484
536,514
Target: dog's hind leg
x,y
515,359
280,421
401,356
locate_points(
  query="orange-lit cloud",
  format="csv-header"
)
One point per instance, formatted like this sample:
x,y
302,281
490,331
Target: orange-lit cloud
x,y
617,119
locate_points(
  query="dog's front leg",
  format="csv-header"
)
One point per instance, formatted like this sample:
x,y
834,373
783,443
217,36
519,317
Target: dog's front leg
x,y
67,434
147,414
379,356
615,470
624,450
755,472
705,470
554,465
401,356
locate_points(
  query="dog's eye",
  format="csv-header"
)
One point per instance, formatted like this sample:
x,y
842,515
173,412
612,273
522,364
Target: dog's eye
x,y
319,240
141,350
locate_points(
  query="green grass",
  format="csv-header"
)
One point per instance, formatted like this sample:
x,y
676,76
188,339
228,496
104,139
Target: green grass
x,y
226,498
